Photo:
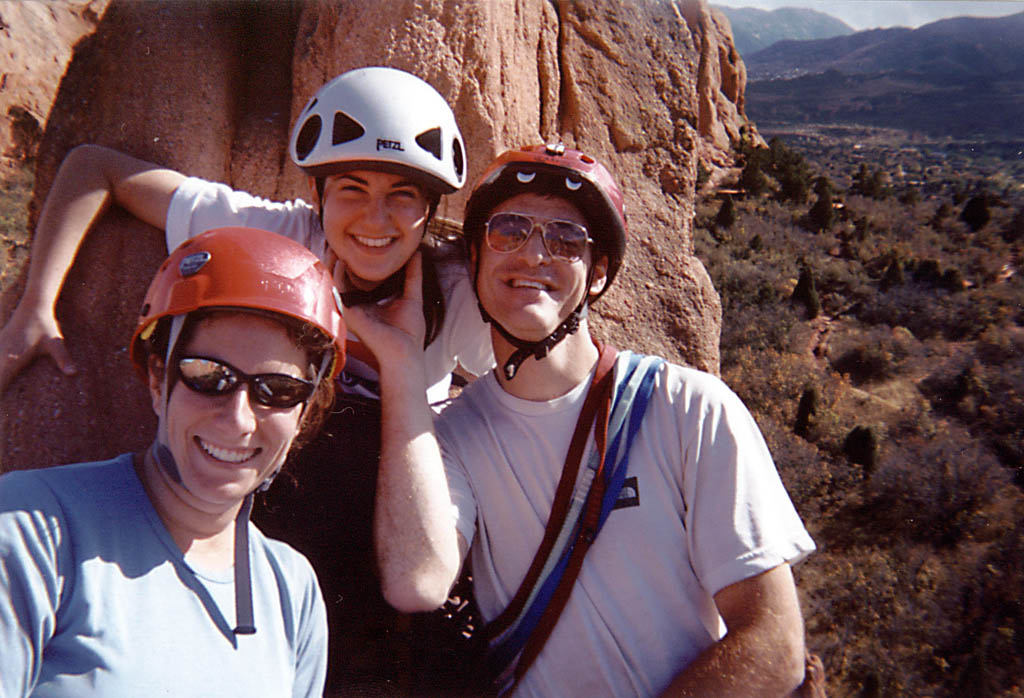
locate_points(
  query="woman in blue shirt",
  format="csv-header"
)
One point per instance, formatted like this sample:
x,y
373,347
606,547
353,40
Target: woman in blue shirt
x,y
142,575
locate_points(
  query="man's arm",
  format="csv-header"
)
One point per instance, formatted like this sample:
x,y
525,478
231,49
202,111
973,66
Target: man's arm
x,y
88,181
419,552
762,653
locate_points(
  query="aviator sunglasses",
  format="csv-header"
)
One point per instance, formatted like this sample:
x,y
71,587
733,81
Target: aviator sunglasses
x,y
564,240
215,377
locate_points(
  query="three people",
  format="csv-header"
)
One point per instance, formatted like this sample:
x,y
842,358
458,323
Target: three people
x,y
668,562
687,588
142,575
380,147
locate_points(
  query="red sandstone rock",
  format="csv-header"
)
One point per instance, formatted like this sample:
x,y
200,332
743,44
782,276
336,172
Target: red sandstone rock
x,y
211,89
36,40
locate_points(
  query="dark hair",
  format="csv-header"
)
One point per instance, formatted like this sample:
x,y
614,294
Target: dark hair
x,y
437,251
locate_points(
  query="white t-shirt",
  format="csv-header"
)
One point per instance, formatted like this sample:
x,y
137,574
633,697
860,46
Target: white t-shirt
x,y
704,508
199,205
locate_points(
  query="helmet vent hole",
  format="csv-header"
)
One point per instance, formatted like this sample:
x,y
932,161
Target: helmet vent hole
x,y
308,137
430,141
587,159
457,158
572,184
525,177
345,129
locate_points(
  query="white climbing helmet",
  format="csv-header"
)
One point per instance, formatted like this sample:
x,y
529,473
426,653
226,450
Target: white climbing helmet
x,y
382,119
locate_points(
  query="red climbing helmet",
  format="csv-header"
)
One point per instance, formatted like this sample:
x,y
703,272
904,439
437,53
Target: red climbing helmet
x,y
556,171
243,268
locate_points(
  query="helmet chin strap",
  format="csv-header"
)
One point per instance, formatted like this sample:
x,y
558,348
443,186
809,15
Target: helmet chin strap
x,y
540,348
159,451
385,290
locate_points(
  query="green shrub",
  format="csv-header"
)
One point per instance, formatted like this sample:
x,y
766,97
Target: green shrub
x,y
806,294
726,214
976,213
865,363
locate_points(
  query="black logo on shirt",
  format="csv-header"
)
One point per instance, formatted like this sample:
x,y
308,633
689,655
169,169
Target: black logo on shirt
x,y
629,495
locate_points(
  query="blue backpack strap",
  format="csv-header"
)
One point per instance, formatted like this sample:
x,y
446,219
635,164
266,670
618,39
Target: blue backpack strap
x,y
634,383
633,393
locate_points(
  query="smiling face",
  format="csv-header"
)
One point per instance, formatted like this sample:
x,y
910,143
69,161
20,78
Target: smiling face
x,y
225,446
374,221
527,291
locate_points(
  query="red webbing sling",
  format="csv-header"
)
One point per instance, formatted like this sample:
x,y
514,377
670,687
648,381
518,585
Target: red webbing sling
x,y
594,413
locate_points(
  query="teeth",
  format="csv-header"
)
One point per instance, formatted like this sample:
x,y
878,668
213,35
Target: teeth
x,y
373,242
526,283
227,455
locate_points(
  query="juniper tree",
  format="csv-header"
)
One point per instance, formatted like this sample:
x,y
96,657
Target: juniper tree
x,y
976,213
726,214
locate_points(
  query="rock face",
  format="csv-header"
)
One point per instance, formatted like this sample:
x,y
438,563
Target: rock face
x,y
210,89
37,39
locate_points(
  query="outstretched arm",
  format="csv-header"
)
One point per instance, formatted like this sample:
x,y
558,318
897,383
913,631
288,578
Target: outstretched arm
x,y
762,653
88,181
419,552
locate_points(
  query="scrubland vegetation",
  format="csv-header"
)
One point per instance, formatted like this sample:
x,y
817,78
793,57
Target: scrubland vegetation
x,y
15,190
878,341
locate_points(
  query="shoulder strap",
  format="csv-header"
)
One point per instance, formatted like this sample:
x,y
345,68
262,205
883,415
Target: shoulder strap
x,y
551,580
598,394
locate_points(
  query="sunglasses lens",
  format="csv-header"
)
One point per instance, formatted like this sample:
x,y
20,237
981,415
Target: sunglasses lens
x,y
565,240
209,377
279,390
507,231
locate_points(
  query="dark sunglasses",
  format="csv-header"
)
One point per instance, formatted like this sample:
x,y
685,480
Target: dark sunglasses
x,y
564,240
214,377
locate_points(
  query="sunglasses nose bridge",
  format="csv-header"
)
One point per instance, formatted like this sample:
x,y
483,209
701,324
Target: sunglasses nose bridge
x,y
539,228
239,404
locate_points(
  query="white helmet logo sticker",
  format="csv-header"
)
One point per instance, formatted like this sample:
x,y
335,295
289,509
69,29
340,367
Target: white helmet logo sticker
x,y
193,263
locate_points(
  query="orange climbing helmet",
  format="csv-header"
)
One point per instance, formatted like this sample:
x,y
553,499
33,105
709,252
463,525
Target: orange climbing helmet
x,y
244,268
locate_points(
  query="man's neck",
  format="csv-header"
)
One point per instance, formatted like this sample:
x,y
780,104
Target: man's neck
x,y
566,365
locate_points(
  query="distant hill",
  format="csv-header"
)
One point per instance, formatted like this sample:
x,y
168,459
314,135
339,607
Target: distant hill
x,y
958,77
754,30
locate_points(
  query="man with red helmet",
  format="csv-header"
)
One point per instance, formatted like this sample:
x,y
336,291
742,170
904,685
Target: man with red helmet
x,y
654,558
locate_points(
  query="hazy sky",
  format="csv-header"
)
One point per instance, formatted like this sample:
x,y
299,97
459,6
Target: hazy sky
x,y
870,14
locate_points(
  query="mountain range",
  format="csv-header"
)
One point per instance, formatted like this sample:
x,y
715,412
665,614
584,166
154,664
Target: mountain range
x,y
754,29
959,77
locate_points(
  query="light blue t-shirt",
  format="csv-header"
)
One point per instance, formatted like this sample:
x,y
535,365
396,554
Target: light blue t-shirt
x,y
96,599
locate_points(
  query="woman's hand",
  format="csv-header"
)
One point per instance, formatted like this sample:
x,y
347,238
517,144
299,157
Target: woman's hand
x,y
31,332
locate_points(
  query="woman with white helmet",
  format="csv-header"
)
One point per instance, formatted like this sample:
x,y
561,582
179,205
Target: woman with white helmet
x,y
380,147
142,575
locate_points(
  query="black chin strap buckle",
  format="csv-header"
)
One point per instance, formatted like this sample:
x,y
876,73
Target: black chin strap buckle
x,y
539,350
389,288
